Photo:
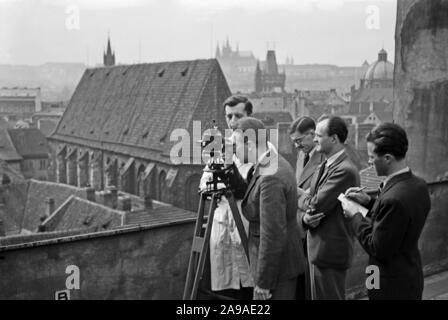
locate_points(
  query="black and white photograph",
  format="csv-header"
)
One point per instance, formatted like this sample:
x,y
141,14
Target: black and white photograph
x,y
239,151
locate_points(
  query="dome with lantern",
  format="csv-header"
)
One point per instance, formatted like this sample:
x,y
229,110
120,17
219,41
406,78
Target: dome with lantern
x,y
380,73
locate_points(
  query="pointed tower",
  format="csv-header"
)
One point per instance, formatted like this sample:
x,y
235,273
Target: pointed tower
x,y
217,52
258,79
271,63
109,56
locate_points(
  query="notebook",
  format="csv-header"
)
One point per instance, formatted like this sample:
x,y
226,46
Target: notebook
x,y
352,204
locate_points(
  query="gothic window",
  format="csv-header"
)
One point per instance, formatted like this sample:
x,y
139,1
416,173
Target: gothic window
x,y
162,190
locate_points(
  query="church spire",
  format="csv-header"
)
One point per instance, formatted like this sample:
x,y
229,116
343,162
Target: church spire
x,y
258,80
109,56
217,52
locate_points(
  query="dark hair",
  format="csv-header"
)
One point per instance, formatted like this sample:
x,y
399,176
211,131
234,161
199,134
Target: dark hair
x,y
250,123
235,99
389,138
337,126
302,125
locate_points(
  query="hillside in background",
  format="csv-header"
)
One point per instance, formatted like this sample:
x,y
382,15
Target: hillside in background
x,y
56,80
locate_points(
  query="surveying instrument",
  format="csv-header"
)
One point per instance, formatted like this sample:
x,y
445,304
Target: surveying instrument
x,y
216,188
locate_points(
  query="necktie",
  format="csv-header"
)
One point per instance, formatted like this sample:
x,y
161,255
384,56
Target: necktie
x,y
320,174
250,174
306,159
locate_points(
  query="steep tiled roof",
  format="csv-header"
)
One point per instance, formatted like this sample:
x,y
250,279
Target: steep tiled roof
x,y
77,213
14,198
159,213
11,173
30,142
8,152
369,179
38,192
133,109
25,204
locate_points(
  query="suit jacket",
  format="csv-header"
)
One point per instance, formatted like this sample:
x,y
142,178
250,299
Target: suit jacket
x,y
304,176
330,244
390,236
270,206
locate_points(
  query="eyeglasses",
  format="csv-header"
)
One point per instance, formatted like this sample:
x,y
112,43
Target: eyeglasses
x,y
299,140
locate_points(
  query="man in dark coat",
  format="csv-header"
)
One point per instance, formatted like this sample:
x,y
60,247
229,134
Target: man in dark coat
x,y
270,205
390,231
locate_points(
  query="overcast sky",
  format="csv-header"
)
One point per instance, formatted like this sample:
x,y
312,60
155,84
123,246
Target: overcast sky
x,y
311,31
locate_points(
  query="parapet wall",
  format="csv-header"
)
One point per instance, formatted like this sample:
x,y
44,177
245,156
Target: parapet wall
x,y
139,263
151,262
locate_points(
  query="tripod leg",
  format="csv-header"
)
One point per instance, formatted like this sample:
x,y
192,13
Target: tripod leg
x,y
205,245
238,222
192,263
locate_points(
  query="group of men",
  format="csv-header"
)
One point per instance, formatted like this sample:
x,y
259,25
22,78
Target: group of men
x,y
301,237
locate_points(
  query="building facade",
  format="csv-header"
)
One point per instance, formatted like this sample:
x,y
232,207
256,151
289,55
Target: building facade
x,y
116,129
26,151
19,103
372,102
269,79
237,65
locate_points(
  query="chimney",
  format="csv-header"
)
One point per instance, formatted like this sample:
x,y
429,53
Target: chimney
x,y
41,227
148,202
90,193
124,203
50,206
114,199
107,198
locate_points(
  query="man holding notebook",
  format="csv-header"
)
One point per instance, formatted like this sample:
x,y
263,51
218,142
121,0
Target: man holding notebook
x,y
390,232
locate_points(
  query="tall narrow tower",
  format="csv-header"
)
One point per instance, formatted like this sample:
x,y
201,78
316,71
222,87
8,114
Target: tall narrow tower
x,y
258,80
109,56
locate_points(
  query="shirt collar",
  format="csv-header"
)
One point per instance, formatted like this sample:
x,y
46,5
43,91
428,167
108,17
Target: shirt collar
x,y
312,152
395,174
301,154
333,158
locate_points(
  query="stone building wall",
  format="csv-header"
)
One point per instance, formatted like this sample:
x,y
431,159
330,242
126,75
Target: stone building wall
x,y
421,83
80,166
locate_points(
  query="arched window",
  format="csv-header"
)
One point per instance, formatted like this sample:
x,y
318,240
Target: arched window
x,y
153,184
162,190
140,182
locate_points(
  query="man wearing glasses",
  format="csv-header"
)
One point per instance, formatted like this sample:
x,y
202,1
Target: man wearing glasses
x,y
301,133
